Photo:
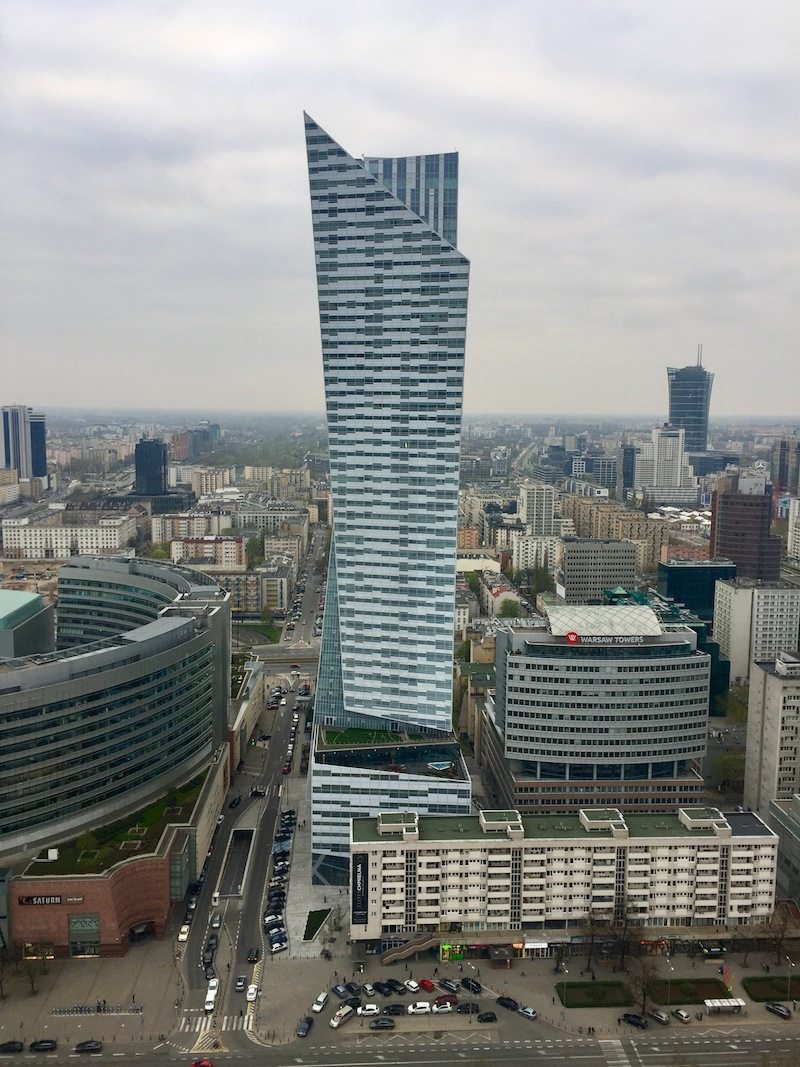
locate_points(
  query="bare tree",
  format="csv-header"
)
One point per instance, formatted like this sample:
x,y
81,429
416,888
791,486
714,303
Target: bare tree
x,y
626,931
777,929
643,974
594,923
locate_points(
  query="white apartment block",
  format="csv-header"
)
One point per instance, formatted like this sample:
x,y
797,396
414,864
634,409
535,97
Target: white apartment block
x,y
531,551
222,551
537,509
793,545
49,539
188,524
661,461
754,621
500,871
284,545
772,767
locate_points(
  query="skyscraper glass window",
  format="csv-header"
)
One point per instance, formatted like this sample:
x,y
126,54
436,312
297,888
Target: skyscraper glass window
x,y
689,401
392,293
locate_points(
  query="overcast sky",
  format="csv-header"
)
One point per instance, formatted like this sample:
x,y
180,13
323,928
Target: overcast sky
x,y
628,188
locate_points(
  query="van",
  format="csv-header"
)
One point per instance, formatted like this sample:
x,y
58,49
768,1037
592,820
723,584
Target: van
x,y
215,900
341,1016
659,1016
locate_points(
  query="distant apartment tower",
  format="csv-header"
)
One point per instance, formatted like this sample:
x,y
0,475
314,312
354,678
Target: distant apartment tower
x,y
741,516
661,461
785,469
754,621
537,509
772,766
689,402
23,442
589,566
793,542
151,460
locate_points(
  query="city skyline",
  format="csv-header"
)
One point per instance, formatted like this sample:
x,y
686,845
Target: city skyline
x,y
630,195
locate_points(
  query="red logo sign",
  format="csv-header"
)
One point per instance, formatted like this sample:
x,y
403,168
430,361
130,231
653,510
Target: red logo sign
x,y
572,638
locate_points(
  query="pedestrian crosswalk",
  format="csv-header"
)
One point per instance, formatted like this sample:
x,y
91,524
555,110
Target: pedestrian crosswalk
x,y
197,1024
614,1053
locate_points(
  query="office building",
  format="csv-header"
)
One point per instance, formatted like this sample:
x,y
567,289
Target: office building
x,y
741,517
489,878
689,402
151,461
23,441
661,462
63,534
26,624
785,468
692,582
538,504
589,566
754,621
772,767
392,290
599,706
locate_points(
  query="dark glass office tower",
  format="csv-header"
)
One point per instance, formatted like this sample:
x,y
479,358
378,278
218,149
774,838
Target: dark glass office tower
x,y
151,467
689,400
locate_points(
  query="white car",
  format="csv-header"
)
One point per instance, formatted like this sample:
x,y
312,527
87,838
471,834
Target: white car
x,y
183,933
283,702
443,1009
368,989
422,1007
412,986
213,985
252,992
369,1009
320,1002
528,1013
682,1016
216,921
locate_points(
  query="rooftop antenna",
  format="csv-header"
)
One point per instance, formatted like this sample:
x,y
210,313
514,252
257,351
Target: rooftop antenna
x,y
699,355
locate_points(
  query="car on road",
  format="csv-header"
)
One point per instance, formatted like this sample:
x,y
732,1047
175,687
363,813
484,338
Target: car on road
x,y
192,903
90,1045
527,1013
183,933
202,1062
368,1009
320,1002
235,802
213,943
44,1045
258,791
304,1026
443,1009
286,769
472,985
216,921
252,993
253,954
682,1016
382,1024
241,983
632,1019
220,820
12,1046
508,1002
419,1007
283,702
208,958
487,1017
468,1007
778,1009
394,1009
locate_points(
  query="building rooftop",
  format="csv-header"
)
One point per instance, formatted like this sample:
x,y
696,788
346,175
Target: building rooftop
x,y
624,620
16,607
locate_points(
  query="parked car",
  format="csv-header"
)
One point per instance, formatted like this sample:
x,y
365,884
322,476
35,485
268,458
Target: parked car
x,y
304,1026
446,998
183,933
342,1015
778,1009
508,1002
213,943
352,1002
468,1007
659,1016
47,1044
320,1002
279,946
12,1046
368,1009
527,1013
382,1024
216,921
427,985
450,984
383,988
394,1009
258,790
368,989
420,1007
396,985
89,1045
443,1009
412,986
472,985
340,991
632,1019
682,1016
487,1017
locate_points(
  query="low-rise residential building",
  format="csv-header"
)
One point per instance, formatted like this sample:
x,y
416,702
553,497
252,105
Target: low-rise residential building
x,y
456,877
53,538
222,551
168,527
772,764
754,621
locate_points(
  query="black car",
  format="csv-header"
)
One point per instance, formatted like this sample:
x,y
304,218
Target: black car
x,y
450,984
304,1026
208,958
12,1046
235,802
45,1045
352,1002
508,1002
253,954
381,1024
394,1009
472,985
468,1007
353,988
289,811
208,971
194,888
276,901
632,1019
339,991
89,1046
283,835
397,987
383,988
487,1017
258,791
213,943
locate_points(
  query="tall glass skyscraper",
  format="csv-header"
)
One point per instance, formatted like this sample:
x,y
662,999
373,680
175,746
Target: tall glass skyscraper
x,y
393,307
392,291
689,401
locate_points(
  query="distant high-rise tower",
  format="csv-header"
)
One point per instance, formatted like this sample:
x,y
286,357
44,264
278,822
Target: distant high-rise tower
x,y
689,401
23,442
151,467
392,291
741,515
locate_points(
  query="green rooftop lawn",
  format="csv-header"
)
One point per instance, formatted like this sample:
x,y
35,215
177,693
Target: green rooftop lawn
x,y
358,736
93,853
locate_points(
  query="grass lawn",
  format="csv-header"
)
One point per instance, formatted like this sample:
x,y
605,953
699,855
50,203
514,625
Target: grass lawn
x,y
272,633
357,736
594,994
314,922
690,991
772,987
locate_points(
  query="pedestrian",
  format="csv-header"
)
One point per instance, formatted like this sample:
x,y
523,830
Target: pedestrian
x,y
619,1021
133,999
594,977
522,973
554,1000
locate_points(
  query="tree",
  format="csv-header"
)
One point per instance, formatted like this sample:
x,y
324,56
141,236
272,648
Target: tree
x,y
510,609
594,922
474,582
626,931
255,552
733,704
730,768
777,928
267,616
643,974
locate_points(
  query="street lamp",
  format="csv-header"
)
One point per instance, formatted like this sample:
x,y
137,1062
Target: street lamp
x,y
792,964
669,982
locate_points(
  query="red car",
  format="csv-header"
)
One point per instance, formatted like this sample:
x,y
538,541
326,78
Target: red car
x,y
202,1063
426,984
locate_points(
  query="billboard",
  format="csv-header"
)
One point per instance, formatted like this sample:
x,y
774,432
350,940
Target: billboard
x,y
359,893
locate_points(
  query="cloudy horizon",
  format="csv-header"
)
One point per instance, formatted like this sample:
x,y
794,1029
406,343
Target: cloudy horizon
x,y
628,189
